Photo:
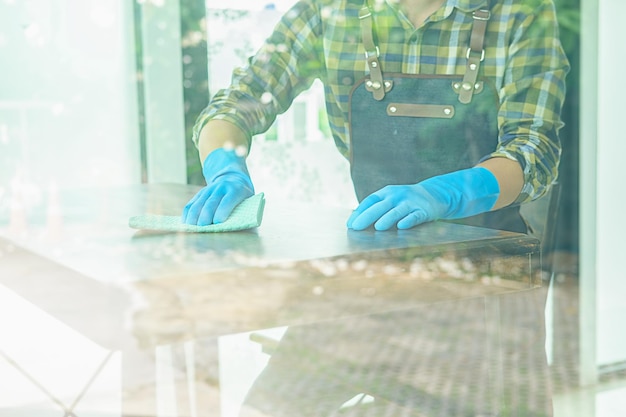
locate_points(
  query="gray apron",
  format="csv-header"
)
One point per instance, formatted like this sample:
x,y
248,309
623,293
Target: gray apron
x,y
405,128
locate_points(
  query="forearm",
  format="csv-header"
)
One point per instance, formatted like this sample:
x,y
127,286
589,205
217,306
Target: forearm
x,y
221,134
510,178
222,147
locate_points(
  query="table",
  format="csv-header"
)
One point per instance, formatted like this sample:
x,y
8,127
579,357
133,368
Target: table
x,y
181,324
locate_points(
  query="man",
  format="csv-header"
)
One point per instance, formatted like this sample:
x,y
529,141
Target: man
x,y
508,49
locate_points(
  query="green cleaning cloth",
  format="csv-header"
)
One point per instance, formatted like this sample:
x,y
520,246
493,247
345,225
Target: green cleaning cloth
x,y
246,215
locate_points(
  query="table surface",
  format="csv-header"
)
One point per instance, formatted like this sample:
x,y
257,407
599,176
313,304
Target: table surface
x,y
85,230
74,260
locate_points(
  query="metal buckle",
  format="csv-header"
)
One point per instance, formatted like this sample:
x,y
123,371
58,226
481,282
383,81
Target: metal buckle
x,y
482,14
367,54
469,51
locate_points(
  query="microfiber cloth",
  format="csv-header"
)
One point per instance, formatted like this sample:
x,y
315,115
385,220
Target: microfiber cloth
x,y
247,215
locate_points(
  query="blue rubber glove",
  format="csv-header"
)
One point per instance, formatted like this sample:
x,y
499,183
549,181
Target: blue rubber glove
x,y
451,196
228,184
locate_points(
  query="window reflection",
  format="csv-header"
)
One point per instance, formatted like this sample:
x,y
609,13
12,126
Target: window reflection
x,y
296,158
75,103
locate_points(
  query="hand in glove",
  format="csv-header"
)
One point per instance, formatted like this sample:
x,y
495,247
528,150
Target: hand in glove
x,y
456,195
228,184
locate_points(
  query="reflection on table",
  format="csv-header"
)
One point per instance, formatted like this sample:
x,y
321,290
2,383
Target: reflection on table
x,y
297,317
471,357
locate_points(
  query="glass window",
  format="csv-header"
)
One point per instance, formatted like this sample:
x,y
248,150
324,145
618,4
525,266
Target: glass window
x,y
296,158
98,100
68,102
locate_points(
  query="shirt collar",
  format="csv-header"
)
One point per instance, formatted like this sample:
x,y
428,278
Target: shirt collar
x,y
466,5
450,5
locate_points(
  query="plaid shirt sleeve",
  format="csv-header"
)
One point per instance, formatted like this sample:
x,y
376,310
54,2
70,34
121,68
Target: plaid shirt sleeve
x,y
286,64
532,94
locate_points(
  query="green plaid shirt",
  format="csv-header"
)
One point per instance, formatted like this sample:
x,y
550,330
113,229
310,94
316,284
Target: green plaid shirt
x,y
321,39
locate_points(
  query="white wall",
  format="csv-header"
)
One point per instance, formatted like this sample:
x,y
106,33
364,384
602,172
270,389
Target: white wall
x,y
603,224
611,217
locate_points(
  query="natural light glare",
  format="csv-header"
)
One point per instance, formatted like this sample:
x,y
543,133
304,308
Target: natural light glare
x,y
44,354
102,111
251,4
241,360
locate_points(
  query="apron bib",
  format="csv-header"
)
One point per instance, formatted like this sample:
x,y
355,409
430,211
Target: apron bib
x,y
405,128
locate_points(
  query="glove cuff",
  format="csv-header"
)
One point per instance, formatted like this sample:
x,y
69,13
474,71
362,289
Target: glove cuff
x,y
470,191
222,161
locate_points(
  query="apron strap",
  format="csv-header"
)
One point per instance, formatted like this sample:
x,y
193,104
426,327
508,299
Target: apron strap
x,y
475,54
372,52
